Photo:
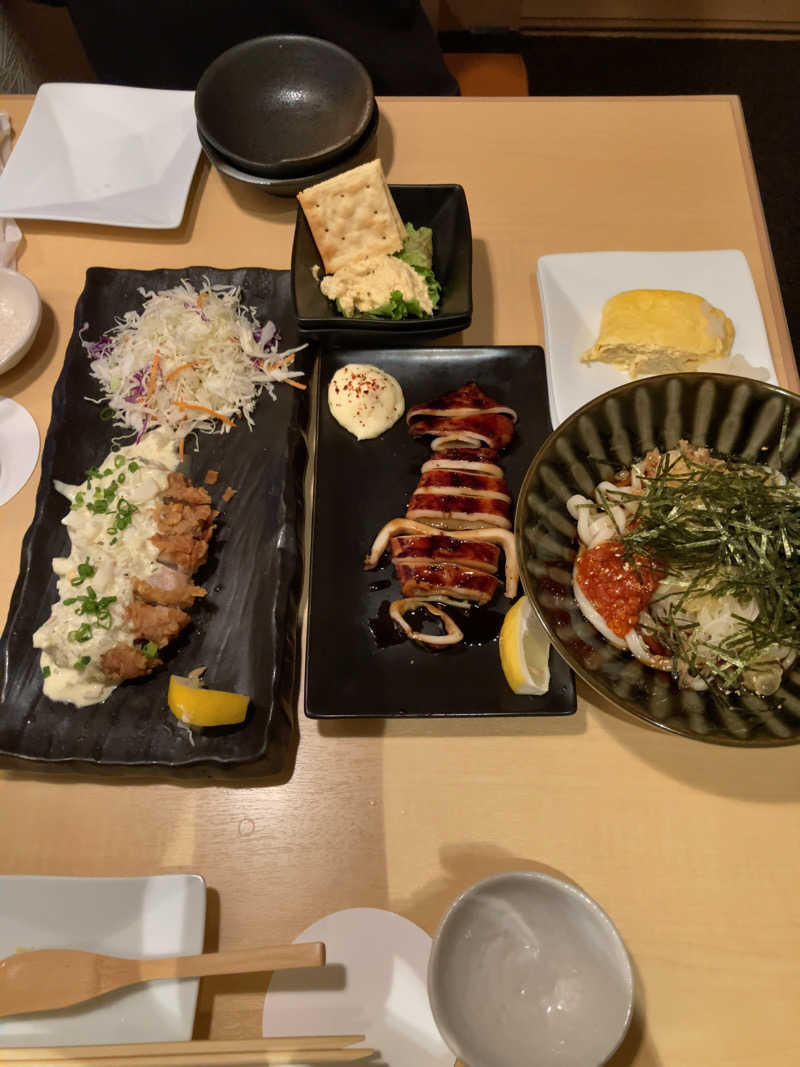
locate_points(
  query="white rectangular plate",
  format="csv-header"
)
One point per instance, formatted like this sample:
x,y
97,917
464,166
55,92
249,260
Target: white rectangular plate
x,y
574,286
137,917
104,154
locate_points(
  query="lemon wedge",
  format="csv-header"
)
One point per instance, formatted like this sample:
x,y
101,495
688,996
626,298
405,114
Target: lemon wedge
x,y
196,706
525,650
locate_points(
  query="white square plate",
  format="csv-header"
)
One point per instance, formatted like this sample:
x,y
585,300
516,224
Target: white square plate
x,y
574,286
137,917
104,154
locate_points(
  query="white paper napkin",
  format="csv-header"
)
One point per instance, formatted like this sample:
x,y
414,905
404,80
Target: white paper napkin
x,y
19,448
10,233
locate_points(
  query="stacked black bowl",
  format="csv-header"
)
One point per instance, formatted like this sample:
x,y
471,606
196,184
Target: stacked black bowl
x,y
285,112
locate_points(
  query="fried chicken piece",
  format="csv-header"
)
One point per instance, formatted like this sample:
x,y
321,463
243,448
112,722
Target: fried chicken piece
x,y
185,521
177,517
181,489
124,661
155,622
175,596
181,550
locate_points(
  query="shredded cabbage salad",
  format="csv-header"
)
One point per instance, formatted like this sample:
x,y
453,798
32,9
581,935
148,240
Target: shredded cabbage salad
x,y
188,361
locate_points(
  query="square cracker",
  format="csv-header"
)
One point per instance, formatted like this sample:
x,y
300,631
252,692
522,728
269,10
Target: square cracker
x,y
353,215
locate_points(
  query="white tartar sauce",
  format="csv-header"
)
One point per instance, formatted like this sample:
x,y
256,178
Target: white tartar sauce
x,y
110,545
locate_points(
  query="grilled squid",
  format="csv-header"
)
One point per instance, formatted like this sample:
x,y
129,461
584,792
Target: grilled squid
x,y
503,538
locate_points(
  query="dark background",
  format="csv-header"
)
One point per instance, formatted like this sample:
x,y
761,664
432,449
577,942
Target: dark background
x,y
764,73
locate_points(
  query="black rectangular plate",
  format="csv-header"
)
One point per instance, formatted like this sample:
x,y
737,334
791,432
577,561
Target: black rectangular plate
x,y
359,486
244,631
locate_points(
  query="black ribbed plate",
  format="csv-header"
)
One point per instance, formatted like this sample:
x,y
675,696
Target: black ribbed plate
x,y
732,416
244,631
359,486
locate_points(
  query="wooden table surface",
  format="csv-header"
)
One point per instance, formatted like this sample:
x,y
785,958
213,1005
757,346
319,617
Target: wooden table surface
x,y
691,848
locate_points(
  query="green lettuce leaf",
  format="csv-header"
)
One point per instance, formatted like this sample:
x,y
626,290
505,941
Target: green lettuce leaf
x,y
395,308
417,248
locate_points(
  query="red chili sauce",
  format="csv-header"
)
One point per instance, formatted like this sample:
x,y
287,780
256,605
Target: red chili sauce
x,y
615,587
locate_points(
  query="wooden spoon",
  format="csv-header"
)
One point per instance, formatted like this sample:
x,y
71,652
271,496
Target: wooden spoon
x,y
55,978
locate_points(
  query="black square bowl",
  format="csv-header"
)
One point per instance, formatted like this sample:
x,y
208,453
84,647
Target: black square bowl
x,y
444,209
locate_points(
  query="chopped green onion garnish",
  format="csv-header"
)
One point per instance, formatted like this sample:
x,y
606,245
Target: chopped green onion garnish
x,y
85,570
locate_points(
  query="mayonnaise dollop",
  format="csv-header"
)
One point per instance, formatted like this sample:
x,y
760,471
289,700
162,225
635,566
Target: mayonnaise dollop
x,y
365,400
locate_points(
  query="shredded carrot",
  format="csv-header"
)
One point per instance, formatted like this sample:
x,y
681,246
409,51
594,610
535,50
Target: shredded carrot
x,y
209,411
180,449
177,370
295,384
201,299
282,362
151,384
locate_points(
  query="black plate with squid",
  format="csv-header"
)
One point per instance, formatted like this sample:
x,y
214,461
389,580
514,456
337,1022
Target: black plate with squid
x,y
244,631
358,665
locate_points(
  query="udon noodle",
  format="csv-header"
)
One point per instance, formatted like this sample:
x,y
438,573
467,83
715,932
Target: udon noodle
x,y
689,562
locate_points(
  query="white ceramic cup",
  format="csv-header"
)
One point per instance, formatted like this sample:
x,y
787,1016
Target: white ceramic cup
x,y
526,968
20,315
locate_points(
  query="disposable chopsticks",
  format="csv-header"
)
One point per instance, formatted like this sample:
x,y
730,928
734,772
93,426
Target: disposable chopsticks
x,y
220,1059
254,1052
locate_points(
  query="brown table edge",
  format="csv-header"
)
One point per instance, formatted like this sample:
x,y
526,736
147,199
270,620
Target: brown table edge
x,y
784,353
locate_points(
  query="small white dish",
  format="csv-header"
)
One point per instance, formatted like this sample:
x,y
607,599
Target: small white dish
x,y
107,154
527,968
574,286
373,984
19,447
138,917
20,315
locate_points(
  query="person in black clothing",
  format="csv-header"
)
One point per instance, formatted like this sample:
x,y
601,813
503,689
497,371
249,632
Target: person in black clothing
x,y
167,44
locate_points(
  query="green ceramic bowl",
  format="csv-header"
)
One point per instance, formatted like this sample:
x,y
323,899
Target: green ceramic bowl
x,y
731,416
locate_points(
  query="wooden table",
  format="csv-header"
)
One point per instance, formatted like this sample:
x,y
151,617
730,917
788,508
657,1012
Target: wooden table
x,y
691,848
